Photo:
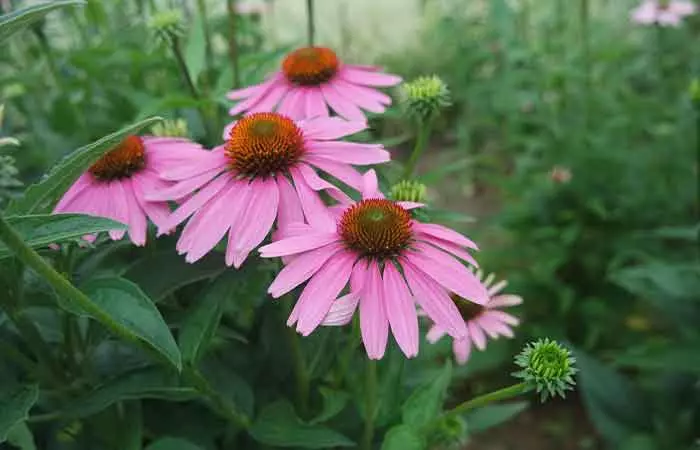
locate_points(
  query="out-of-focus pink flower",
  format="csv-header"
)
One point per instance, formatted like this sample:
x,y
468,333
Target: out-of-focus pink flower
x,y
391,263
264,174
482,321
656,12
114,187
560,174
311,80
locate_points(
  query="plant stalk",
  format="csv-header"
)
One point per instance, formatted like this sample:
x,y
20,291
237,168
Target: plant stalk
x,y
370,404
486,399
208,54
233,42
422,139
310,25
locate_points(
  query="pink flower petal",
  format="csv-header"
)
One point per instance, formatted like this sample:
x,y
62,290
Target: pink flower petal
x,y
366,78
255,90
330,128
157,212
315,106
344,108
435,333
297,244
349,152
85,181
120,208
293,104
462,349
137,217
504,317
195,202
257,219
348,91
344,172
215,159
276,84
444,233
270,100
373,321
370,185
314,209
183,188
477,335
449,247
289,210
503,301
301,269
410,205
342,310
400,310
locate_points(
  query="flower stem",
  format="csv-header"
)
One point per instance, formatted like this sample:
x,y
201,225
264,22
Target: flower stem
x,y
208,55
201,384
301,371
310,26
424,131
233,42
370,403
491,397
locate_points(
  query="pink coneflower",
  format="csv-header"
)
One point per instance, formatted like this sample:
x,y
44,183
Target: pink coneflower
x,y
664,13
114,186
312,79
481,320
265,171
390,261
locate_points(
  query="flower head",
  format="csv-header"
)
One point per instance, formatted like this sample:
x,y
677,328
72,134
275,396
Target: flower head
x,y
408,191
548,366
264,173
167,25
387,261
662,12
424,97
312,79
481,320
114,186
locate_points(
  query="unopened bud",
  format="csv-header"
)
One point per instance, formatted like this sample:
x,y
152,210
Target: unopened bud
x,y
548,366
424,97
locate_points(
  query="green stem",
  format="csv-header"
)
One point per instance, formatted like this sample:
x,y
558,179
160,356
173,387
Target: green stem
x,y
301,373
310,26
208,55
61,285
424,131
696,104
370,404
233,42
486,399
201,384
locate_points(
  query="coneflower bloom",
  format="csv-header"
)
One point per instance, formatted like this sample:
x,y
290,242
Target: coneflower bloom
x,y
662,12
262,174
481,320
114,186
390,262
311,80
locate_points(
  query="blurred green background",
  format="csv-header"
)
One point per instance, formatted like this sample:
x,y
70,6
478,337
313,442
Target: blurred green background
x,y
572,140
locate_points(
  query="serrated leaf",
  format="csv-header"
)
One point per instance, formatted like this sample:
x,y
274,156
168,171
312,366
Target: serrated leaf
x,y
17,20
403,437
131,310
424,405
151,382
171,443
40,230
15,403
42,196
278,425
492,415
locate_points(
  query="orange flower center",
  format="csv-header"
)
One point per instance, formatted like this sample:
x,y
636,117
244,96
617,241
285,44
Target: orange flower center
x,y
263,144
376,228
310,66
124,160
468,310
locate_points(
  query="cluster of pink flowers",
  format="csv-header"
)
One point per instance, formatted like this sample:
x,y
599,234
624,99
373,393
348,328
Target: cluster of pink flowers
x,y
369,255
662,12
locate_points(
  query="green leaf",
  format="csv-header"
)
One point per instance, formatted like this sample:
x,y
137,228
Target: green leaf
x,y
403,437
333,402
195,51
614,405
42,196
173,272
21,437
130,434
152,382
170,443
426,402
202,321
492,415
15,403
133,311
681,356
17,20
40,230
278,425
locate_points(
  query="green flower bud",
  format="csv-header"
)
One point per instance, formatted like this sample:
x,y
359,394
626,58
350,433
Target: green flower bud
x,y
408,191
167,25
171,128
424,97
548,366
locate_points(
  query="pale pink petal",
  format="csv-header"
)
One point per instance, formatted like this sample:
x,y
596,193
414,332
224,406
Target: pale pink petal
x,y
157,212
682,7
322,290
137,217
498,327
315,211
245,105
503,301
504,317
373,321
341,106
477,335
301,269
646,13
215,159
342,310
486,324
227,130
410,205
183,188
349,152
256,221
289,210
449,247
443,233
293,104
256,90
668,18
400,310
330,128
85,181
366,78
344,172
164,153
315,106
434,300
195,202
496,288
370,185
449,272
435,333
462,349
297,244
317,184
120,207
270,100
359,98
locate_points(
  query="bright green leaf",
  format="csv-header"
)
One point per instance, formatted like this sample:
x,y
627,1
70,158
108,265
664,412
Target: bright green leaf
x,y
21,436
17,20
133,311
333,404
15,403
403,437
40,230
492,415
42,196
195,54
278,425
425,403
170,443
